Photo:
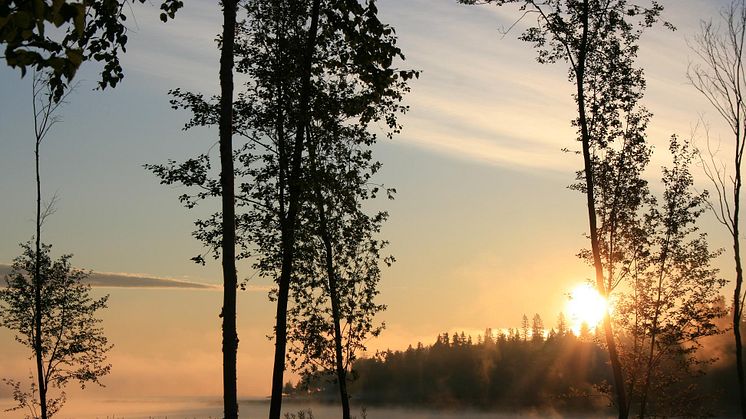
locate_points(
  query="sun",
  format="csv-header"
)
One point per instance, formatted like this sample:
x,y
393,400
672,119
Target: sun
x,y
587,306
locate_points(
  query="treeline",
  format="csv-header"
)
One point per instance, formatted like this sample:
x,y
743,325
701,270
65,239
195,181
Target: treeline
x,y
506,370
512,370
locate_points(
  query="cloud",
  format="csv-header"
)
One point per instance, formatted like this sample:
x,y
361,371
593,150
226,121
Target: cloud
x,y
483,97
128,280
182,53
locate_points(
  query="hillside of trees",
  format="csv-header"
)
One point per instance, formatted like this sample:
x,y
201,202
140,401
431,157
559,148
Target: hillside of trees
x,y
519,369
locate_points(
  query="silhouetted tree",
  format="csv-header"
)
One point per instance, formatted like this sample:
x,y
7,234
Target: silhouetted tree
x,y
331,320
51,294
45,110
673,301
598,40
562,328
524,328
319,73
52,313
489,337
537,329
352,52
218,232
719,76
228,205
552,334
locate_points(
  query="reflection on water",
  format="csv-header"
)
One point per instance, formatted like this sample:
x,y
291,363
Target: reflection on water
x,y
250,409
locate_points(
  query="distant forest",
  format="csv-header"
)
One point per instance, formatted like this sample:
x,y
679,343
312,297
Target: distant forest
x,y
519,369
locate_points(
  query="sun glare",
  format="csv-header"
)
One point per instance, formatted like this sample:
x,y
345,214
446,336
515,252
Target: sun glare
x,y
587,306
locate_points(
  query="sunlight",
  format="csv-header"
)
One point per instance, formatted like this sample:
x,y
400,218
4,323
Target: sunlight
x,y
587,306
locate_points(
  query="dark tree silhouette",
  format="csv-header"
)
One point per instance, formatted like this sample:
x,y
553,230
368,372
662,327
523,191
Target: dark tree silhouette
x,y
537,329
598,40
230,279
53,314
319,73
221,238
673,299
562,328
506,374
45,110
331,326
524,328
720,76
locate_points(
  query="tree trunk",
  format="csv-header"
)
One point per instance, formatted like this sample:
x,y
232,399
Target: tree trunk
x,y
331,273
37,278
621,396
737,306
653,337
230,280
334,297
737,331
288,221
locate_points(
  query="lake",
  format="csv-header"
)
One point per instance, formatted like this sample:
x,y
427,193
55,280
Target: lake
x,y
212,409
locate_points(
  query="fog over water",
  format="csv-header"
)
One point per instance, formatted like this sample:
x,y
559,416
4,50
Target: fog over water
x,y
208,408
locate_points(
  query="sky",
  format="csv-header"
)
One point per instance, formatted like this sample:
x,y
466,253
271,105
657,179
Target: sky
x,y
483,226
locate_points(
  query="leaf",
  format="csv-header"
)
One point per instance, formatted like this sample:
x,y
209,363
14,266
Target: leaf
x,y
75,56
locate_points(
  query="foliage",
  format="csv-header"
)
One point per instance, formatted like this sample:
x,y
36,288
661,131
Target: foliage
x,y
353,87
302,414
563,373
306,166
73,343
597,39
499,372
59,35
672,299
345,104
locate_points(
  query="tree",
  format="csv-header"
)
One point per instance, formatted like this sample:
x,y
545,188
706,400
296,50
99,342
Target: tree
x,y
562,328
45,114
221,237
73,346
44,108
228,205
524,328
356,86
332,326
598,40
489,337
289,219
56,37
319,74
673,299
719,77
537,329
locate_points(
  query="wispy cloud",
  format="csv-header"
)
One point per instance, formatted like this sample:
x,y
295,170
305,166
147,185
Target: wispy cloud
x,y
182,53
481,97
129,280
